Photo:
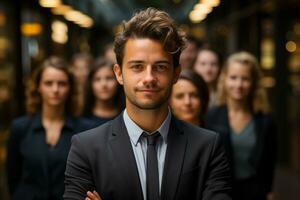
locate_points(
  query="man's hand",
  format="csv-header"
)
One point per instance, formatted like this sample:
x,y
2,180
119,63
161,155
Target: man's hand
x,y
93,196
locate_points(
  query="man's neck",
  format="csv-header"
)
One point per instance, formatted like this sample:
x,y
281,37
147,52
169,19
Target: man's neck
x,y
148,120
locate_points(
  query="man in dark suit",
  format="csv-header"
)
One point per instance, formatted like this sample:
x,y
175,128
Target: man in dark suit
x,y
146,153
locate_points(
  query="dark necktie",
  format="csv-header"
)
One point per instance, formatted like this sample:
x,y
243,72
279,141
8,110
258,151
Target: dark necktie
x,y
152,177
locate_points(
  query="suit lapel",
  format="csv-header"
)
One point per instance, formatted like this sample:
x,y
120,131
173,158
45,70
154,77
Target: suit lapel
x,y
125,160
177,142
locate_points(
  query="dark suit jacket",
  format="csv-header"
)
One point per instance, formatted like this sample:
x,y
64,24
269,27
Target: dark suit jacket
x,y
102,159
263,156
34,170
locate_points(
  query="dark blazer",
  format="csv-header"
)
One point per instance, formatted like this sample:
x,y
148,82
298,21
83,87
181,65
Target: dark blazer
x,y
263,156
35,170
102,159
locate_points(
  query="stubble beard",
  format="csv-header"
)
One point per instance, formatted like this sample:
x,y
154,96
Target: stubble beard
x,y
149,105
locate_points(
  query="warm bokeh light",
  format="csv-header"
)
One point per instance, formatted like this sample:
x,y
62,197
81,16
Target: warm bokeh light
x,y
61,9
31,29
268,82
211,3
50,3
59,32
196,16
267,60
79,18
203,8
291,46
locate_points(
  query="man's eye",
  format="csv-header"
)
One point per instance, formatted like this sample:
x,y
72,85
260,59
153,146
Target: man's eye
x,y
161,67
137,67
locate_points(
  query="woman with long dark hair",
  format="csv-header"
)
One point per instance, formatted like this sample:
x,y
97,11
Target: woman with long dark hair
x,y
104,95
189,98
39,142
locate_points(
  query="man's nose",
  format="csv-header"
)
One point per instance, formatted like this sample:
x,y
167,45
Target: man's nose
x,y
149,75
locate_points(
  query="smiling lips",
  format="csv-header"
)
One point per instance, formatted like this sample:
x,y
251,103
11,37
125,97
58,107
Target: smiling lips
x,y
148,91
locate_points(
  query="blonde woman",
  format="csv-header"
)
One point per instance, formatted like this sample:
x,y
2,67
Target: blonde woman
x,y
39,142
249,133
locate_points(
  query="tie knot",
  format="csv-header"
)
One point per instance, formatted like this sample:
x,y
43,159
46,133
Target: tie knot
x,y
151,138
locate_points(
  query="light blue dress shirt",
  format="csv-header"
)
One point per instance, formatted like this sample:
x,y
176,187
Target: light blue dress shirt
x,y
139,146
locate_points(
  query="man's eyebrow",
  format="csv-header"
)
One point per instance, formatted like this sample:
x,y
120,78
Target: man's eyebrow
x,y
162,62
156,62
135,61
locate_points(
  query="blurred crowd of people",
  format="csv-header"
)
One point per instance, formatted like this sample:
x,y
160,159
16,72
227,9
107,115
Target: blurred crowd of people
x,y
64,98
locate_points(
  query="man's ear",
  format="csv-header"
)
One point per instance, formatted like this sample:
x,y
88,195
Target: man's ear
x,y
177,72
118,73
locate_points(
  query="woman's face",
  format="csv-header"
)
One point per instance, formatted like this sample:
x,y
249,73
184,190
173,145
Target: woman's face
x,y
207,65
238,81
54,87
104,84
185,101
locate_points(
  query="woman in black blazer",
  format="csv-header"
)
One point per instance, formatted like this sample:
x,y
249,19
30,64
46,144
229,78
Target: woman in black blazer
x,y
244,122
39,142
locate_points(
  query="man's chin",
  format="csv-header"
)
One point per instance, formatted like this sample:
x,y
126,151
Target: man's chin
x,y
149,105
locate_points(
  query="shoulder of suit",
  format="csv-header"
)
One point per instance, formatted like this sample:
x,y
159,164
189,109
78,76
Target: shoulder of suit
x,y
101,131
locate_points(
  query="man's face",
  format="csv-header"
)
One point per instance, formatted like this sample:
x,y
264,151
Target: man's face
x,y
147,74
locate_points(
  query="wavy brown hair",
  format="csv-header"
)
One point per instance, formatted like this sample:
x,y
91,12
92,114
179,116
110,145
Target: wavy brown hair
x,y
257,99
33,97
153,24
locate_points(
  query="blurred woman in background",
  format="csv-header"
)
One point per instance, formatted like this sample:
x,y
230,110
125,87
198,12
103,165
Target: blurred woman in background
x,y
104,96
80,68
208,66
39,142
189,98
244,123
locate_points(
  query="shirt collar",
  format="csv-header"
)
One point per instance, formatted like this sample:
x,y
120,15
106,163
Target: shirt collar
x,y
134,131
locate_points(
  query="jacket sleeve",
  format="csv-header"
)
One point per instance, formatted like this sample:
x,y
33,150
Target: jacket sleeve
x,y
14,157
78,174
218,185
